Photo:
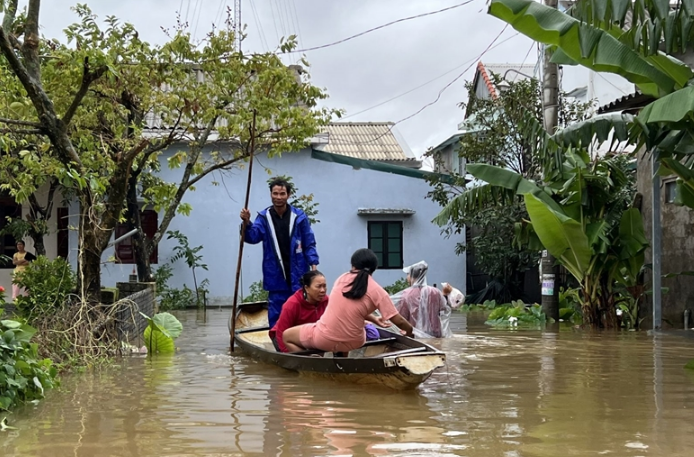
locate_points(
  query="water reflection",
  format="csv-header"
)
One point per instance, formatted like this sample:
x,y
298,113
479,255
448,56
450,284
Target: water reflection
x,y
502,393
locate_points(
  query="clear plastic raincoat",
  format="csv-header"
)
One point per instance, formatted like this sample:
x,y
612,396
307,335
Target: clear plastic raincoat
x,y
422,305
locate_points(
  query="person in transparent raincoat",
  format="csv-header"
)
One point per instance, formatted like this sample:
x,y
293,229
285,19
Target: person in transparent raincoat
x,y
422,305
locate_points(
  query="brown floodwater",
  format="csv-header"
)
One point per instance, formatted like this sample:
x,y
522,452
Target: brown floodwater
x,y
501,393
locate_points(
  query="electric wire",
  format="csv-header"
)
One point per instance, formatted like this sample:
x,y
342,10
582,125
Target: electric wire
x,y
438,97
425,83
409,18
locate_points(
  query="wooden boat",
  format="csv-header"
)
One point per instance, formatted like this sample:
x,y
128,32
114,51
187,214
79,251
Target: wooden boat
x,y
393,360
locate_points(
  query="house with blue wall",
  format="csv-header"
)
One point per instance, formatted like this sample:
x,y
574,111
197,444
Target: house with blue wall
x,y
370,193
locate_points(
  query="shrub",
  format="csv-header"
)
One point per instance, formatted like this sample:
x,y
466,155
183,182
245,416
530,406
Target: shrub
x,y
170,298
2,300
49,283
397,286
256,293
517,314
23,377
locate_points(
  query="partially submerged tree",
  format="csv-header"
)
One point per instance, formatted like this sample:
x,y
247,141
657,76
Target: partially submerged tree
x,y
91,99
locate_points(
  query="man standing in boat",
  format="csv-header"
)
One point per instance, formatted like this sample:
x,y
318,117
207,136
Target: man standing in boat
x,y
289,246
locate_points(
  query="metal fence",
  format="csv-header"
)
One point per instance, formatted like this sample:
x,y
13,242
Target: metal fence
x,y
131,324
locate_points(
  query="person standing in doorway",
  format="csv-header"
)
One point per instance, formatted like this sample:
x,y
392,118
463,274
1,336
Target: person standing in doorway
x,y
289,246
21,259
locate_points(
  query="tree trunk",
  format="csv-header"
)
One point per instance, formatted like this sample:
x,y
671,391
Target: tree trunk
x,y
142,248
89,258
39,246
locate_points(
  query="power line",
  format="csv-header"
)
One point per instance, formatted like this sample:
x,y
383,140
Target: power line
x,y
259,25
426,83
438,97
382,26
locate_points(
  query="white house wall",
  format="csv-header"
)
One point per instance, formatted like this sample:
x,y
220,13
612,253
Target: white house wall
x,y
50,241
339,189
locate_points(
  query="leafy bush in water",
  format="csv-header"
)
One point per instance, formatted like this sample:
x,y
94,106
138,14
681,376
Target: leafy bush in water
x,y
256,293
517,314
171,298
49,283
399,285
159,335
570,304
23,377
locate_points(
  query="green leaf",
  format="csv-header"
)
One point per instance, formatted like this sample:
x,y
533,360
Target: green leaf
x,y
511,180
168,324
672,108
562,236
631,233
586,45
157,342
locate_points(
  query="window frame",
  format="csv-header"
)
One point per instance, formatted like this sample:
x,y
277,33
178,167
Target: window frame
x,y
667,186
385,238
5,246
121,249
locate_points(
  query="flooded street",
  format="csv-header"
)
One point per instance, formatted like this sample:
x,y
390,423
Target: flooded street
x,y
502,393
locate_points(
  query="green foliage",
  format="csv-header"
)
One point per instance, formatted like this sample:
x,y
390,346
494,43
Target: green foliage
x,y
487,306
690,365
301,201
161,332
397,286
49,283
106,85
498,135
570,304
256,293
517,314
24,377
171,298
191,257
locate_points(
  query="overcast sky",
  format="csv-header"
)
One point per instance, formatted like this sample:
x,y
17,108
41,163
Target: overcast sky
x,y
357,74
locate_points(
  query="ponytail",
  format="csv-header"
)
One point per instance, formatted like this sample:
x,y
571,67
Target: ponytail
x,y
365,262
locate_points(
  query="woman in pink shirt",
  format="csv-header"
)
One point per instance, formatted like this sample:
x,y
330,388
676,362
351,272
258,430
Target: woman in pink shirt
x,y
353,299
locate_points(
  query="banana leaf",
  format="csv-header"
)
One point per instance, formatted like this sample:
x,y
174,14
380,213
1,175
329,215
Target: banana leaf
x,y
562,236
584,44
511,180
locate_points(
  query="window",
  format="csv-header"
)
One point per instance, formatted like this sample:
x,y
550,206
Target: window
x,y
63,233
8,208
670,191
124,249
385,239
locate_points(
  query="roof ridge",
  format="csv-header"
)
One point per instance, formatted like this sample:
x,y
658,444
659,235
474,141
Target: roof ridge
x,y
487,80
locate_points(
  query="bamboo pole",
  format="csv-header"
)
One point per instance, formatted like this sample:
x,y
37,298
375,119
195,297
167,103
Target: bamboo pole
x,y
232,330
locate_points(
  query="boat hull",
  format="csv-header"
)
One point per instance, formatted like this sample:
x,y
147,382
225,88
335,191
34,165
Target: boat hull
x,y
394,361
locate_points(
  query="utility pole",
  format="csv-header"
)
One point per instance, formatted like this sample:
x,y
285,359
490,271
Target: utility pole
x,y
549,271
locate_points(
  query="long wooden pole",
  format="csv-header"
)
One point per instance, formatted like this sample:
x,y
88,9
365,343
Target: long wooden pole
x,y
232,330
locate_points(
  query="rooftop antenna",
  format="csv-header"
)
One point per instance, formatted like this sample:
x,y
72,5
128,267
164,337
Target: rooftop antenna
x,y
237,23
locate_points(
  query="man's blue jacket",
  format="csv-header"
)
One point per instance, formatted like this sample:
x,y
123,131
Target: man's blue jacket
x,y
302,252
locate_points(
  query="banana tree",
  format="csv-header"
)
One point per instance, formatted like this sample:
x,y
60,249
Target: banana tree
x,y
639,41
584,219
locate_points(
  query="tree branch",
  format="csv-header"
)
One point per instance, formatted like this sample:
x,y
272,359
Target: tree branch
x,y
24,131
88,77
30,49
130,155
217,166
18,122
10,13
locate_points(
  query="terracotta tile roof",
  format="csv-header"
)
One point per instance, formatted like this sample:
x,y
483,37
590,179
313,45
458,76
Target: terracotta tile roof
x,y
369,141
513,72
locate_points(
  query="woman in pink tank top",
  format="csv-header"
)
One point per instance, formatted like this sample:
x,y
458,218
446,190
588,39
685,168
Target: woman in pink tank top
x,y
353,298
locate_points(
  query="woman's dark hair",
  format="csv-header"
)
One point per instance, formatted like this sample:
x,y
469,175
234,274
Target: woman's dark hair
x,y
20,242
282,183
365,262
307,279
